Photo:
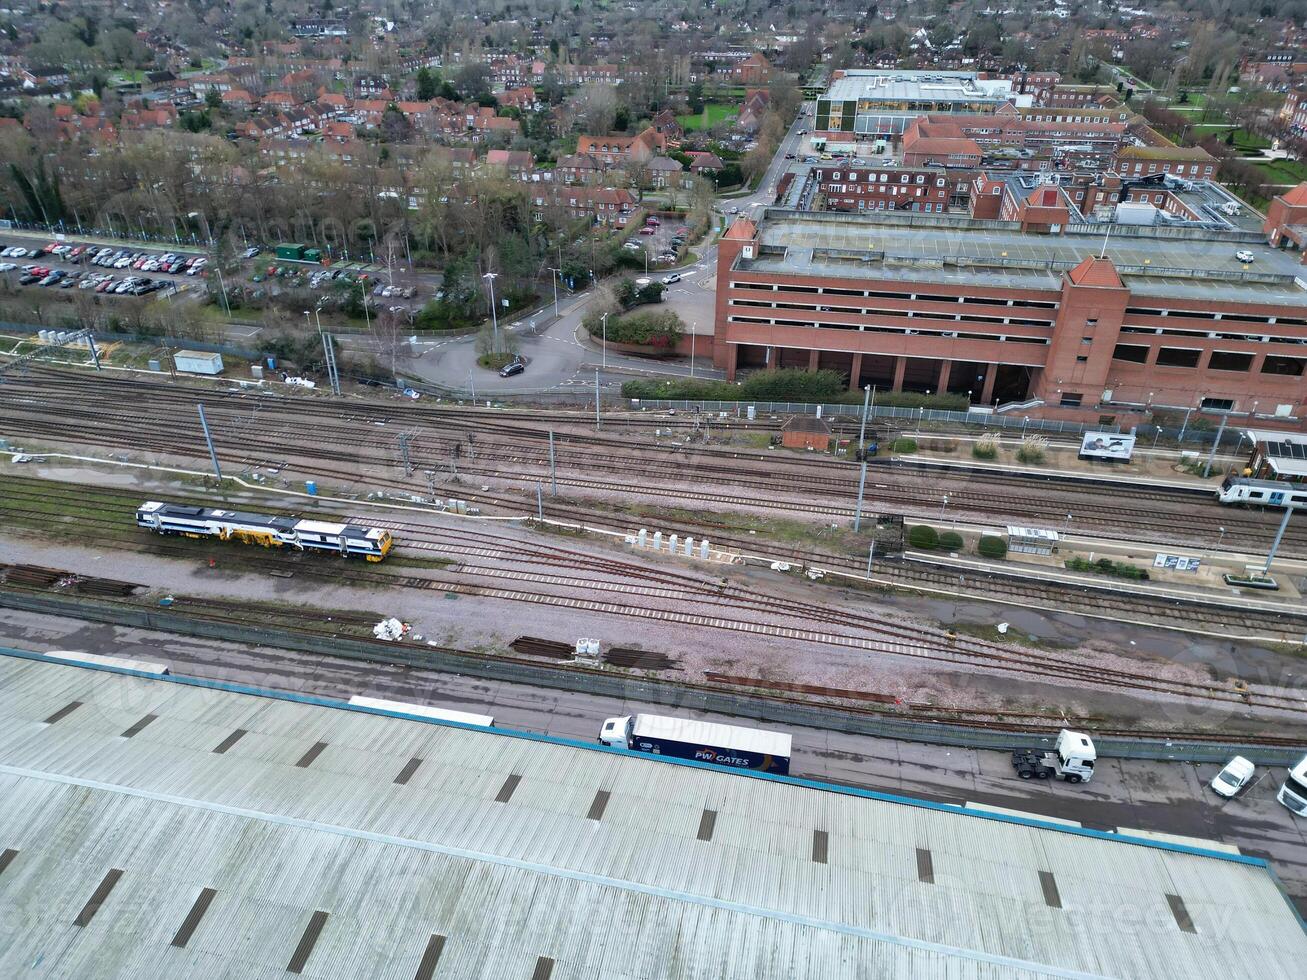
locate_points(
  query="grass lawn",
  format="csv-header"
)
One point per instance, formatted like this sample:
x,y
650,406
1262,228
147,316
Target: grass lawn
x,y
713,114
1283,171
1207,129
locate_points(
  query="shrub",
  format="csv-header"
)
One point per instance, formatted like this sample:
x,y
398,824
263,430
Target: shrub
x,y
950,541
992,547
923,537
658,329
905,444
781,385
986,447
439,315
1032,449
1106,566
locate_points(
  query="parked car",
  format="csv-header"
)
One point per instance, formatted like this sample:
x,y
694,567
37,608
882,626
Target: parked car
x,y
7,266
1243,255
250,252
1234,777
647,230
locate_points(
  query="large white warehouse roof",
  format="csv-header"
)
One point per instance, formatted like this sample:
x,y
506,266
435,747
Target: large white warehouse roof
x,y
154,827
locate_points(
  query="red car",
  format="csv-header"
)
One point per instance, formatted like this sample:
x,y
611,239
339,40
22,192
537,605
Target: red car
x,y
646,230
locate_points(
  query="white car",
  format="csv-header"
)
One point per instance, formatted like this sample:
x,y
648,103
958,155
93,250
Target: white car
x,y
1234,777
7,266
1243,255
674,277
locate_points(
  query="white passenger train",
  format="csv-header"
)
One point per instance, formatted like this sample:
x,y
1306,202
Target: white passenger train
x,y
348,540
1261,493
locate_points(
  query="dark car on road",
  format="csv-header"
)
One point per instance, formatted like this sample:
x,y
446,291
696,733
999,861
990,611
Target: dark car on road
x,y
508,370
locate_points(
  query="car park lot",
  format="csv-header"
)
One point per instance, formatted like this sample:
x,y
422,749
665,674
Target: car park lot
x,y
663,242
105,269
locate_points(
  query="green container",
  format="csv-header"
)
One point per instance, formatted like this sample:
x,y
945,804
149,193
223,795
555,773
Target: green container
x,y
290,250
312,255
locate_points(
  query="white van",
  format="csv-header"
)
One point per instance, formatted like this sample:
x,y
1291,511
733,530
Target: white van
x,y
1293,794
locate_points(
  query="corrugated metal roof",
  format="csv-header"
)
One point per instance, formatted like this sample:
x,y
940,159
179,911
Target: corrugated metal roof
x,y
633,894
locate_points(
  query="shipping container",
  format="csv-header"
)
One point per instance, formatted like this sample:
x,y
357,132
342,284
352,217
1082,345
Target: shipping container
x,y
290,250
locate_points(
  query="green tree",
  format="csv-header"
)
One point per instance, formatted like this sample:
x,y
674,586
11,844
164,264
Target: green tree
x,y
694,96
40,192
427,85
213,99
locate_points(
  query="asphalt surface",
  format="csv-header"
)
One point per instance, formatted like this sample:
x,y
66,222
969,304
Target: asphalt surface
x,y
559,355
1152,797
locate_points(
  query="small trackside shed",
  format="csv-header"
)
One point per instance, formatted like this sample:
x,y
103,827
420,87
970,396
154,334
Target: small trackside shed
x,y
198,362
805,432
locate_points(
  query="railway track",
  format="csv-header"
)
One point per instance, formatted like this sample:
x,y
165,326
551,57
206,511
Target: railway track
x,y
508,570
547,655
268,433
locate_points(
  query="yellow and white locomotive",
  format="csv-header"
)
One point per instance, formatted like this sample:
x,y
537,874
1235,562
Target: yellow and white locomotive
x,y
347,540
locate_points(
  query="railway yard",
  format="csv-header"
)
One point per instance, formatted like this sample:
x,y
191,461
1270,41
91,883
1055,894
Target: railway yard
x,y
493,570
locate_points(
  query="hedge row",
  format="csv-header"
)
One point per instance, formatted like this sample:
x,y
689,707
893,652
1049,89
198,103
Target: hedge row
x,y
923,537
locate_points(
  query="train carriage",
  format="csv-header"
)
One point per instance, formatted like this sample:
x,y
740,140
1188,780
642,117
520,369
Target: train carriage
x,y
348,540
1261,493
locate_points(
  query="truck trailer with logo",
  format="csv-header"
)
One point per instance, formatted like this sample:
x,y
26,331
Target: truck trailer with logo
x,y
700,741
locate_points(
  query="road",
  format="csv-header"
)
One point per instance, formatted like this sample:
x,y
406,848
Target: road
x,y
1153,797
557,353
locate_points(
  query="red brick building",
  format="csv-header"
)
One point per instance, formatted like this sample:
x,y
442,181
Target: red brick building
x,y
1189,162
851,187
1090,327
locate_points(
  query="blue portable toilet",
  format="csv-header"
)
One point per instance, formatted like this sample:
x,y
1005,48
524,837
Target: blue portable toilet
x,y
311,487
272,363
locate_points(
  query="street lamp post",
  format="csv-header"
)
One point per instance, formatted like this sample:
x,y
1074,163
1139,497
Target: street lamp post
x,y
1184,426
603,318
494,314
866,407
941,508
1220,538
557,273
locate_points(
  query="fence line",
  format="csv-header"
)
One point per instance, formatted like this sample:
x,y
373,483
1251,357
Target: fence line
x,y
651,691
835,410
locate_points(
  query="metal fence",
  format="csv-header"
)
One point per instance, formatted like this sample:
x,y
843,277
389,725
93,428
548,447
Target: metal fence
x,y
141,338
595,681
910,415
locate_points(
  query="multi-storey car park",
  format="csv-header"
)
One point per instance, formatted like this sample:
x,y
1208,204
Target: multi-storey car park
x,y
1087,320
166,827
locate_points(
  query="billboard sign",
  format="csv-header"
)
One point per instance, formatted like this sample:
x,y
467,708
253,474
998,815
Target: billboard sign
x,y
1179,562
1114,446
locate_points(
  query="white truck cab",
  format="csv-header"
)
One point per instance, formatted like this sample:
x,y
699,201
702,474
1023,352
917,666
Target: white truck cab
x,y
1072,759
614,731
1293,794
